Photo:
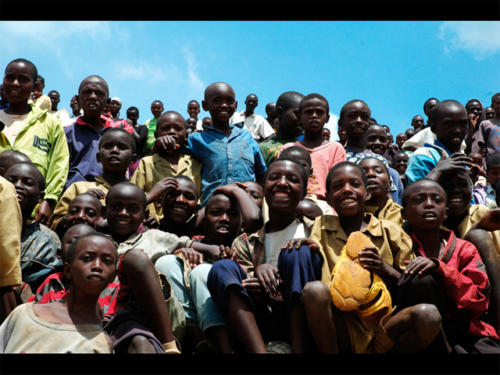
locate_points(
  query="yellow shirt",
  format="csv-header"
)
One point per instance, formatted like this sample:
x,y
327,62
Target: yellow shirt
x,y
11,224
71,192
476,212
394,246
391,211
153,168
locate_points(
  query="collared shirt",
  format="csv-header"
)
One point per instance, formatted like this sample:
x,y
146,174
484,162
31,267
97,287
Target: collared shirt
x,y
465,282
71,192
391,211
225,159
39,247
255,124
153,168
393,244
424,160
155,243
83,141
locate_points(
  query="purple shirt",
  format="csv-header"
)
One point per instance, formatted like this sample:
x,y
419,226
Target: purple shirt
x,y
488,132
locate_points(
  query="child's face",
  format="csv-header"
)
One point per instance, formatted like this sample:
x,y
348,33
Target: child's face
x,y
115,152
193,109
289,119
326,134
417,122
84,209
25,180
54,98
222,220
114,106
378,179
409,133
220,103
18,82
429,106
400,162
71,234
283,187
347,192
342,135
425,207
93,266
493,174
476,159
251,102
376,140
156,109
303,160
489,113
191,123
355,120
255,192
474,108
181,204
400,140
93,97
133,116
172,125
125,211
459,192
450,126
314,115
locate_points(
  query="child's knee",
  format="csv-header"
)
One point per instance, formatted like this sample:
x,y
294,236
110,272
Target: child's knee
x,y
315,292
426,316
135,260
167,263
140,344
200,273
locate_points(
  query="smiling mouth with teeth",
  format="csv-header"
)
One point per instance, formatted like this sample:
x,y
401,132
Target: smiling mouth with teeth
x,y
280,194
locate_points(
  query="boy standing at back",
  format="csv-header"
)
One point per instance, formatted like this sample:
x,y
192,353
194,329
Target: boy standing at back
x,y
156,110
255,124
489,130
228,153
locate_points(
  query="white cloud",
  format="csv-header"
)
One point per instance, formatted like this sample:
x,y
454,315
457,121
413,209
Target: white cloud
x,y
332,124
192,64
482,39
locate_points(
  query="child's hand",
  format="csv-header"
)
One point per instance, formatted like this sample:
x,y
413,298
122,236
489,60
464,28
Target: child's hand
x,y
42,213
473,119
98,193
162,187
456,162
298,242
149,221
252,285
421,266
167,142
192,256
229,189
226,252
268,276
490,221
370,259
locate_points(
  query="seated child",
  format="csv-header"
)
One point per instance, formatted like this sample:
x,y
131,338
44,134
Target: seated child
x,y
314,114
379,185
400,163
73,325
461,214
152,170
224,214
448,272
228,153
244,290
334,330
116,153
448,121
39,244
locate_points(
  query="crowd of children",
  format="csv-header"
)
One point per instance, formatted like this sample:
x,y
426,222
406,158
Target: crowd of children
x,y
237,233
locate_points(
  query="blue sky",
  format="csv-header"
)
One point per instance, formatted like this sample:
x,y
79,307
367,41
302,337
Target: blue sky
x,y
393,66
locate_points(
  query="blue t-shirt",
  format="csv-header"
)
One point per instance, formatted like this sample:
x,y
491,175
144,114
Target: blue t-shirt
x,y
225,160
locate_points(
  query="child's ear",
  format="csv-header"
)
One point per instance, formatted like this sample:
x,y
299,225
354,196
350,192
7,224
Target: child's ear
x,y
368,194
340,123
327,118
204,106
311,171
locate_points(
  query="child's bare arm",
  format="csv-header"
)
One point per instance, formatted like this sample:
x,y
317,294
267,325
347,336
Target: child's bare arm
x,y
371,260
160,188
489,222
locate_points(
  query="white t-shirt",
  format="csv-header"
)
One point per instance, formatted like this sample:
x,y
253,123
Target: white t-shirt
x,y
25,332
275,240
255,124
13,125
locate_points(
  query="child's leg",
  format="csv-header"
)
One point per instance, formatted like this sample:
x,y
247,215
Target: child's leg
x,y
210,319
142,277
225,285
414,328
298,267
317,304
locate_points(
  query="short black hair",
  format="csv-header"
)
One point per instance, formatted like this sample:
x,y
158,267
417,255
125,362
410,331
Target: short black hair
x,y
428,100
53,91
194,101
72,248
343,164
473,101
344,107
436,111
188,179
7,156
314,96
287,153
492,160
130,184
284,100
409,189
94,76
303,173
495,97
117,130
132,108
34,70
